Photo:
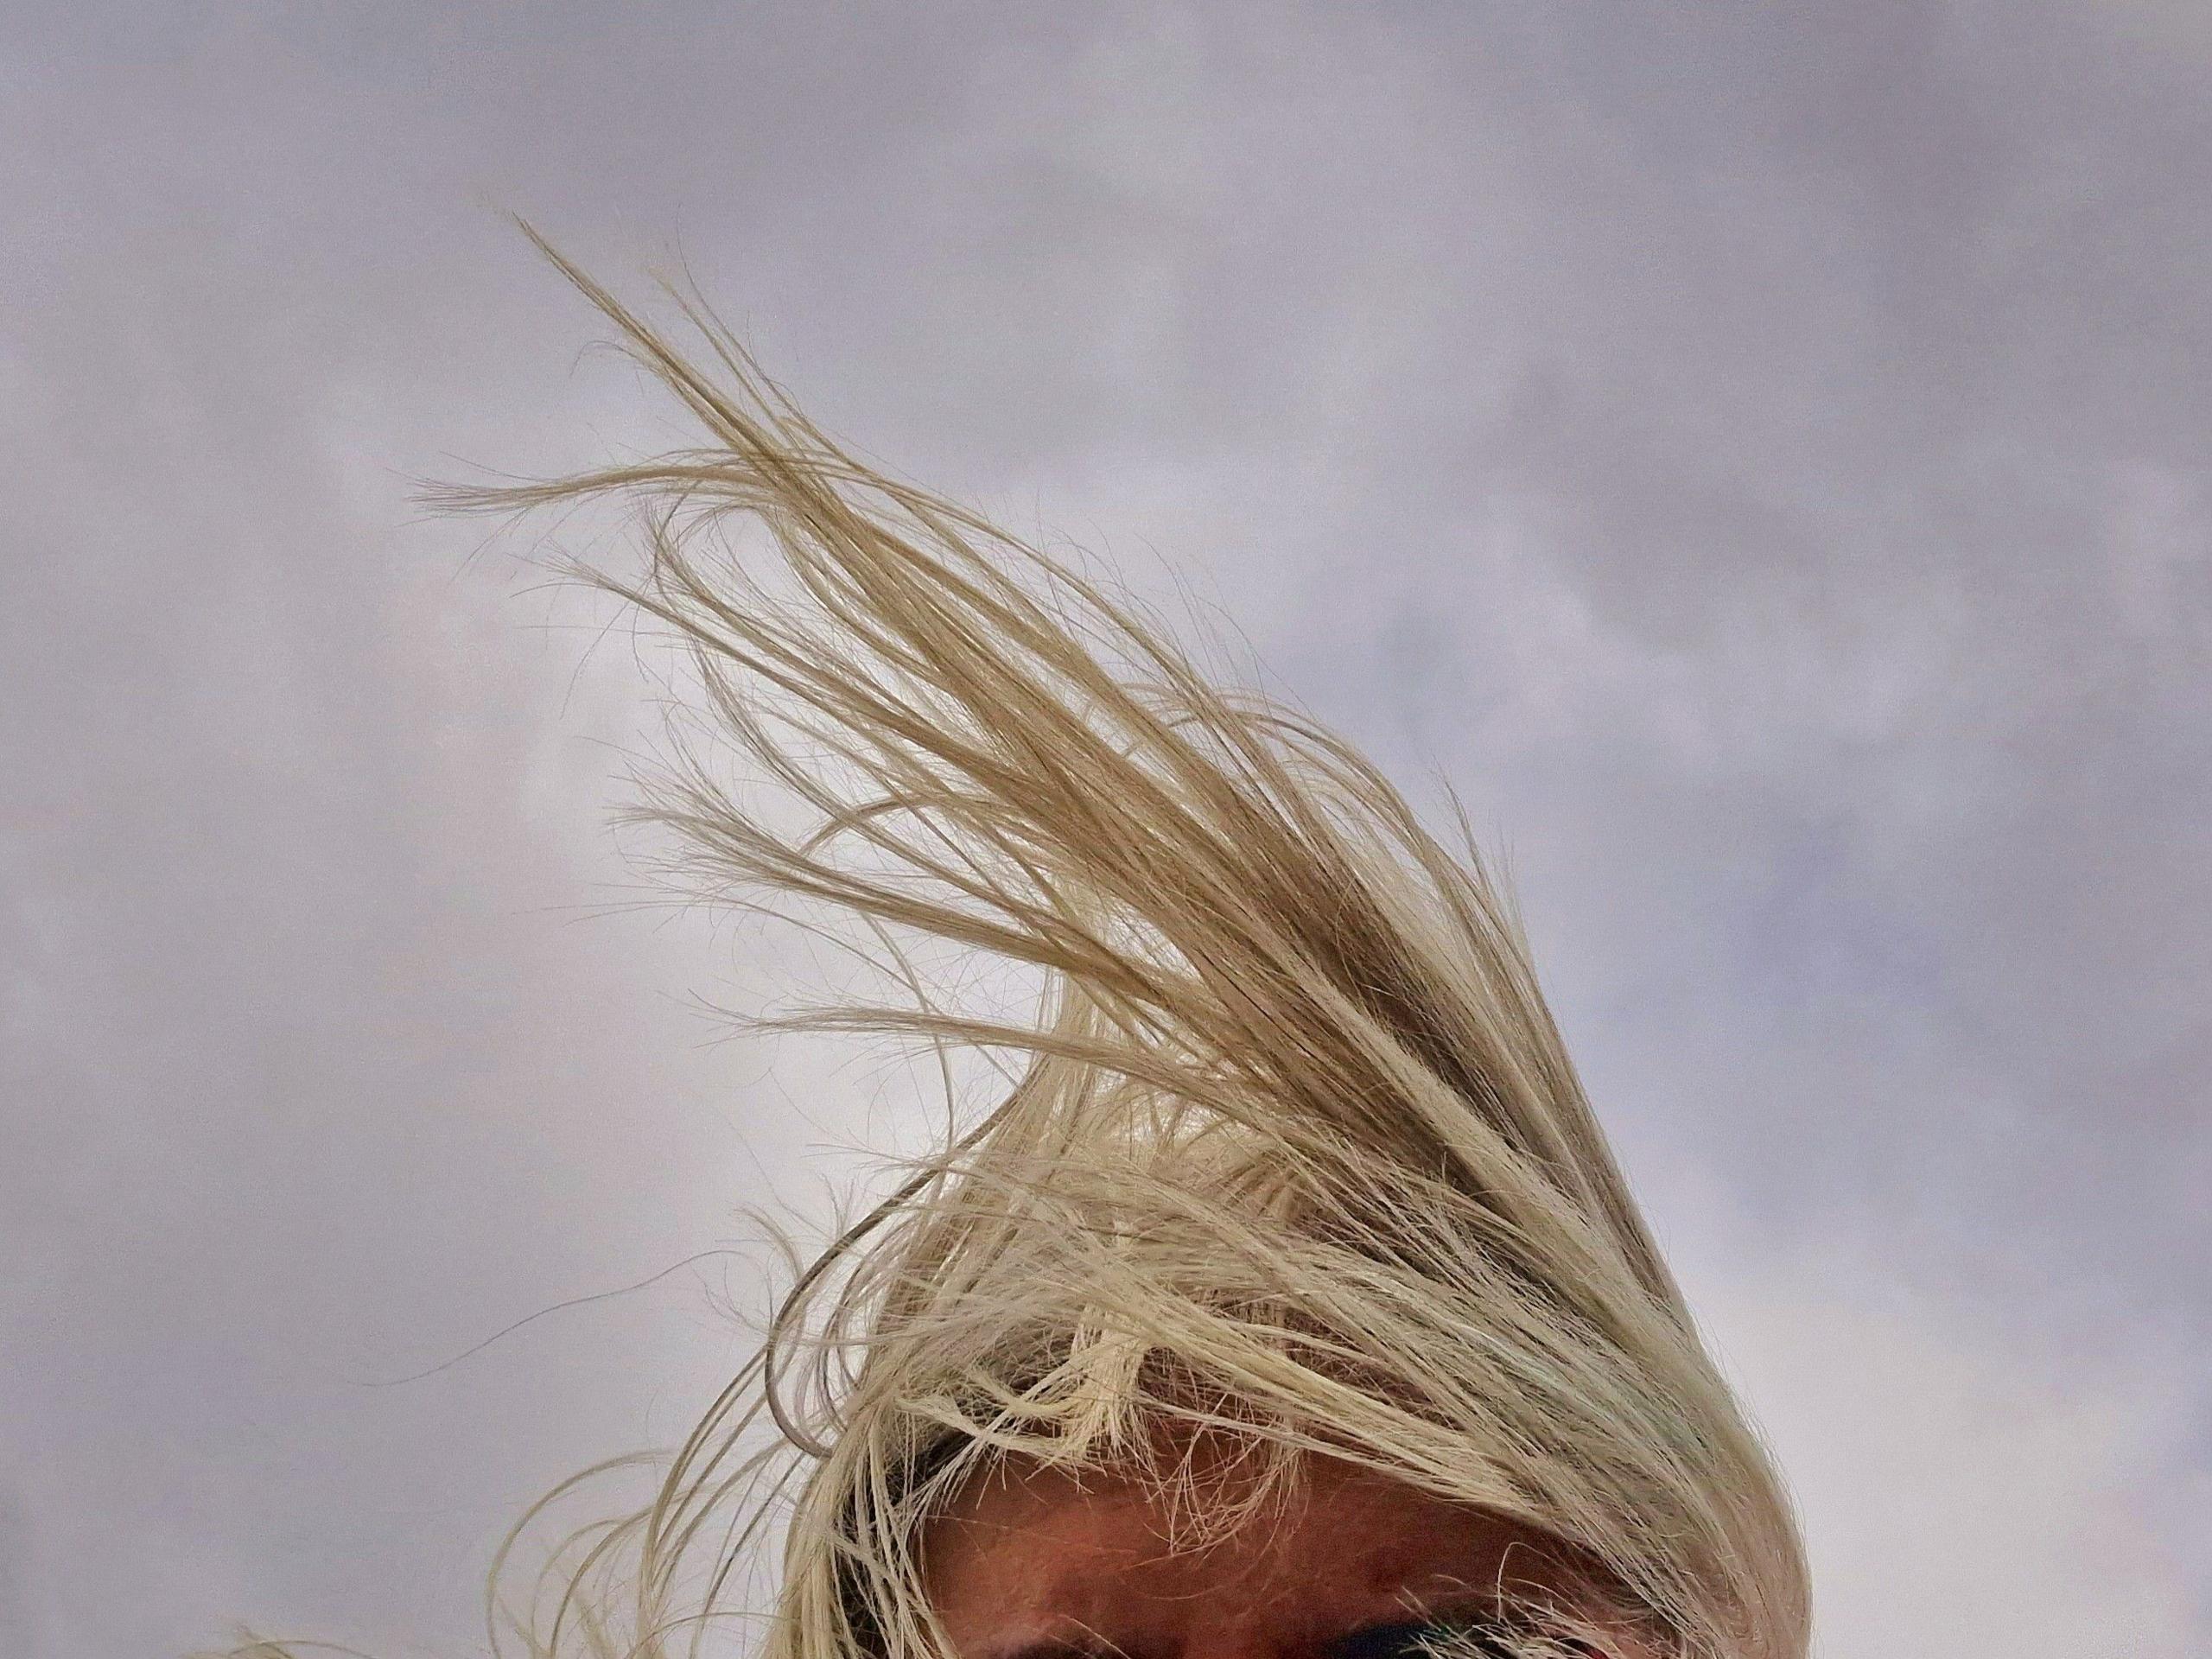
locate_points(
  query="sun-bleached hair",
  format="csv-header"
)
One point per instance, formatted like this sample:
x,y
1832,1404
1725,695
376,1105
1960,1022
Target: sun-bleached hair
x,y
1291,1155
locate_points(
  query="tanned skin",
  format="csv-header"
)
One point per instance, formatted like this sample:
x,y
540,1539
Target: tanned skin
x,y
1034,1563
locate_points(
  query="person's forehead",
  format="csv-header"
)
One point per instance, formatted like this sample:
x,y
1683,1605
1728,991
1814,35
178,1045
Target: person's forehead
x,y
1043,1543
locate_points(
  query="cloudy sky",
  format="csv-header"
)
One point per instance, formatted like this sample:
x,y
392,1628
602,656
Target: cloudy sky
x,y
1757,453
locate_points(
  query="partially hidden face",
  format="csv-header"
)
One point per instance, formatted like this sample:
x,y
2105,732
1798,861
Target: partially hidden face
x,y
1033,1563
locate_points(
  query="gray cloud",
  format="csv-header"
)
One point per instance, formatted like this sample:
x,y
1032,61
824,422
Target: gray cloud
x,y
1758,457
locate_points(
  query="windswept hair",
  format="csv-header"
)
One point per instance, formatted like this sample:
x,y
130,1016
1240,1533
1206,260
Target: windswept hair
x,y
1292,1155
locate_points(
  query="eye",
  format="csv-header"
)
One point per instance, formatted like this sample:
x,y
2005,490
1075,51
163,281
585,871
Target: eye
x,y
1413,1640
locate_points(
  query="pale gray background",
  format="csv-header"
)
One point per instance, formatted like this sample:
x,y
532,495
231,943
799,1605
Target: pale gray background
x,y
1757,453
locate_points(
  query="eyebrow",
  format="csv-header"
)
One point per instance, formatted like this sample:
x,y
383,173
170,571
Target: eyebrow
x,y
1364,1642
1392,1638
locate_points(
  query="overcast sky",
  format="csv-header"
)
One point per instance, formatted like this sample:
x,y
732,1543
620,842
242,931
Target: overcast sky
x,y
1757,453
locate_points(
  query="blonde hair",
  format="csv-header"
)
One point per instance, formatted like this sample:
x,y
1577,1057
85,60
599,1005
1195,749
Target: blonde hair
x,y
1295,1157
